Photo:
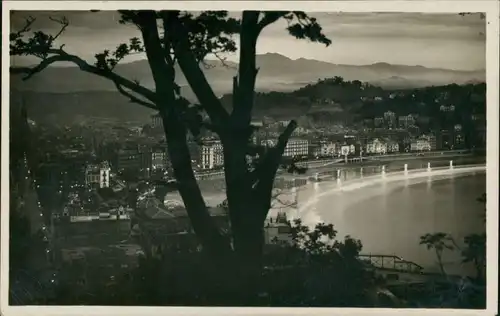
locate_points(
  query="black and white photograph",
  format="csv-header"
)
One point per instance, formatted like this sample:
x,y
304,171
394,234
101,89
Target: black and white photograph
x,y
174,154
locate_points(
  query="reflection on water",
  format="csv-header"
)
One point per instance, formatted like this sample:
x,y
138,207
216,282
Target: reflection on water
x,y
390,218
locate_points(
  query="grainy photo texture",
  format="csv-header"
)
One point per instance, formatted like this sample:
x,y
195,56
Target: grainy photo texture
x,y
255,158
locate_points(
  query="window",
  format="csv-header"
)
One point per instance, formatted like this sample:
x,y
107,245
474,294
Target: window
x,y
284,230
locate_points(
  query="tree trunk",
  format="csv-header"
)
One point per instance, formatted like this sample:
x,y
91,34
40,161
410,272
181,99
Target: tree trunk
x,y
480,275
175,132
246,231
188,188
248,238
440,262
248,209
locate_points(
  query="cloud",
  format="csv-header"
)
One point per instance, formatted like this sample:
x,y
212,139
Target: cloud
x,y
433,40
394,25
102,20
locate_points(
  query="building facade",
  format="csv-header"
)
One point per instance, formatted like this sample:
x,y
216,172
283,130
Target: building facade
x,y
406,121
376,146
421,144
296,147
211,155
327,148
390,118
97,176
159,158
392,146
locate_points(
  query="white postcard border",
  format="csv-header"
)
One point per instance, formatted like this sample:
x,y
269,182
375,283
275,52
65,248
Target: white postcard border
x,y
491,8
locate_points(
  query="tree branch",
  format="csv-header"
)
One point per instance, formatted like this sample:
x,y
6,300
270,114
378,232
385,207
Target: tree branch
x,y
270,18
266,172
247,72
64,24
135,99
277,150
170,109
275,197
60,55
178,36
29,21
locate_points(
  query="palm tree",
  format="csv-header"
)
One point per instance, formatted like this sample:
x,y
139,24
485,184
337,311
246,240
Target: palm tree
x,y
439,242
475,252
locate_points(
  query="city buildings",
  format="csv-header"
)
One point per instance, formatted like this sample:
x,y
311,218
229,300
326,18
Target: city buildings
x,y
314,149
392,146
128,159
327,148
378,121
211,155
270,142
422,143
159,158
376,146
284,123
447,108
257,123
459,137
432,141
97,176
346,149
390,119
406,121
444,139
296,147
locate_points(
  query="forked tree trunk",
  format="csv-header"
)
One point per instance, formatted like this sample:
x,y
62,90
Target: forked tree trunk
x,y
439,256
175,132
210,237
248,207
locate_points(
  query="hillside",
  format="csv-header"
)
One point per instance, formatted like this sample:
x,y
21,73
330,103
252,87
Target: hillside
x,y
67,94
277,73
326,100
335,99
70,107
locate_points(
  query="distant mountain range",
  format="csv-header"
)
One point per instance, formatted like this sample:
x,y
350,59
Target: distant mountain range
x,y
277,73
68,85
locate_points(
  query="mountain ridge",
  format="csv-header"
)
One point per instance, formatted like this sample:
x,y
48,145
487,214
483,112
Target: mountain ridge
x,y
278,55
276,73
60,89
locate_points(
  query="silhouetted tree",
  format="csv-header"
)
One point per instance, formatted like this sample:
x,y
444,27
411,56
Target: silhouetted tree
x,y
314,270
475,248
320,270
482,200
475,252
186,40
439,242
338,80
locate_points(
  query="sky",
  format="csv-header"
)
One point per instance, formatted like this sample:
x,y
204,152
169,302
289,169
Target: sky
x,y
448,41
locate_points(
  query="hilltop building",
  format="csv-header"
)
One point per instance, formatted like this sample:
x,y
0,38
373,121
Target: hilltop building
x,y
406,121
